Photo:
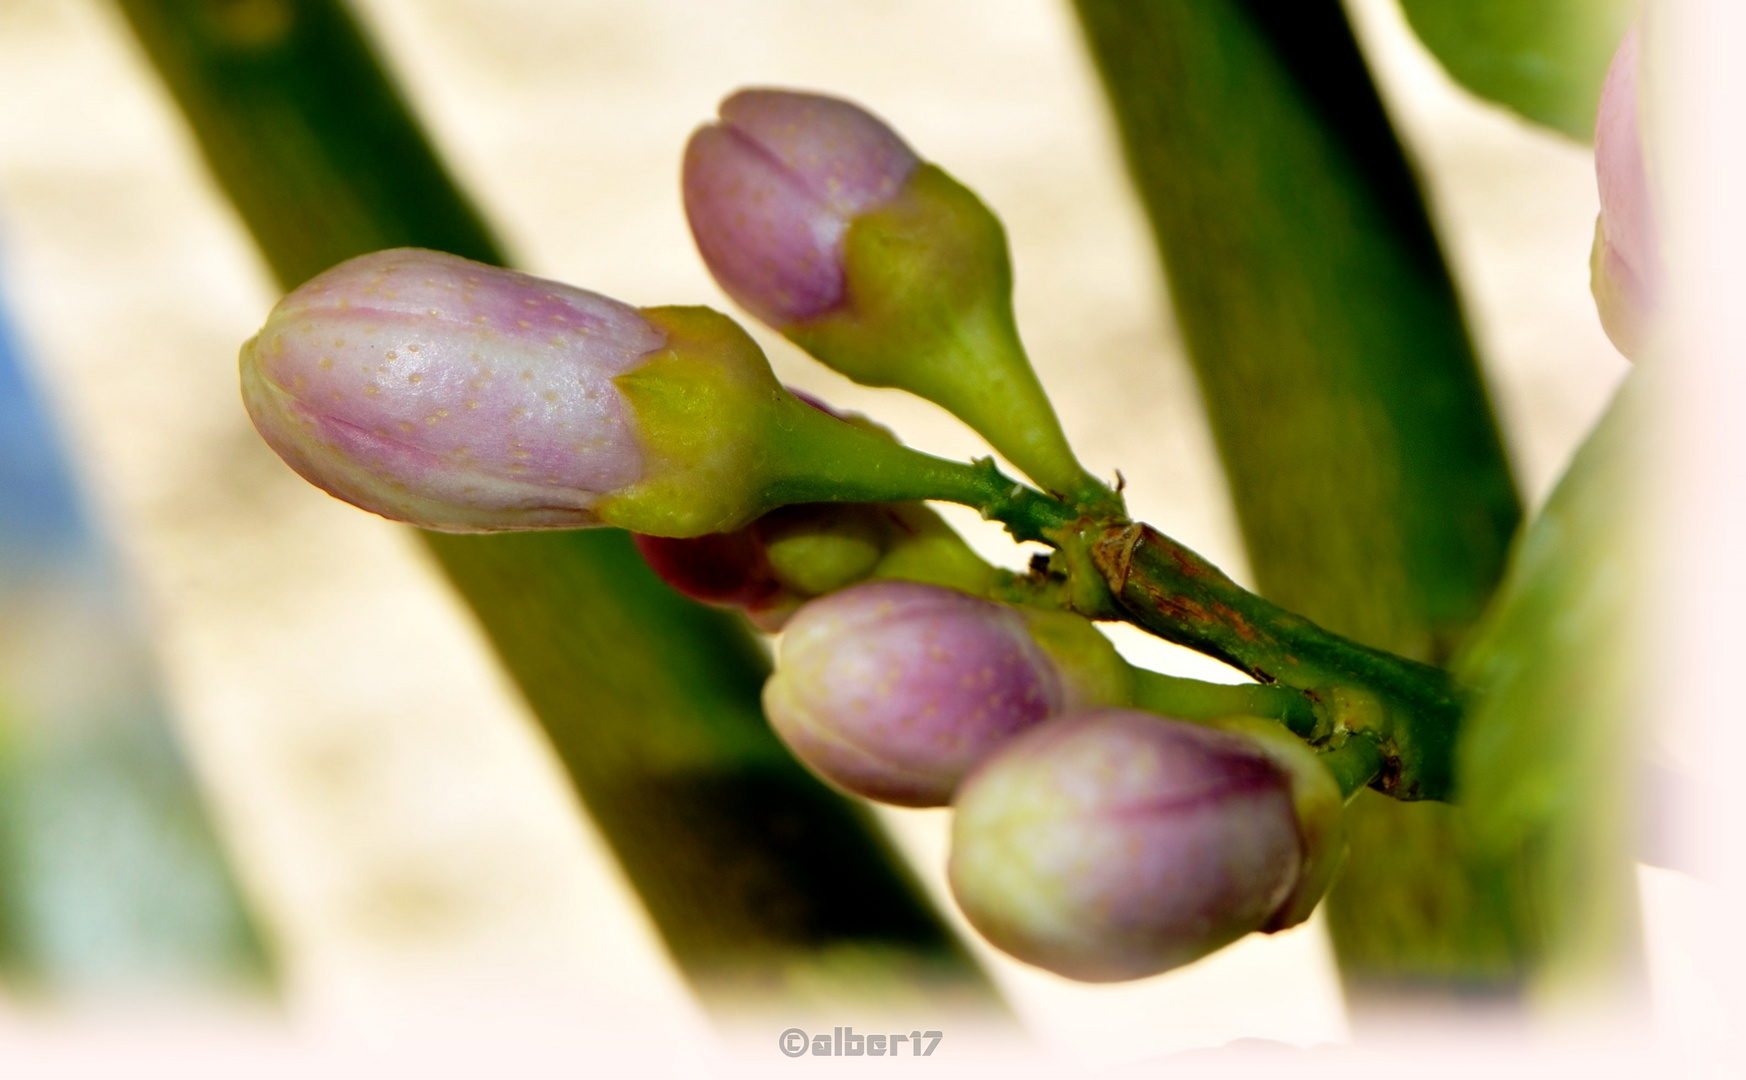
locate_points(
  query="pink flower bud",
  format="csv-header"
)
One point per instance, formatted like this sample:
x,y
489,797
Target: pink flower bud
x,y
894,690
729,569
1625,264
769,568
1114,844
771,190
450,394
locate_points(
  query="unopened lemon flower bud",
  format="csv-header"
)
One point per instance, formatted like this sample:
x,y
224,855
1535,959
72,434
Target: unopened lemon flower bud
x,y
770,192
1114,844
449,394
464,397
817,218
894,690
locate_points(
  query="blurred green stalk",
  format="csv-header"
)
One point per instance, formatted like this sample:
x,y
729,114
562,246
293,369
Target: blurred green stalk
x,y
1550,750
758,877
1366,466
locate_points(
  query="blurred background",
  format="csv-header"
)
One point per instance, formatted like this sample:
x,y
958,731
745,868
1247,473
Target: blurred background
x,y
408,854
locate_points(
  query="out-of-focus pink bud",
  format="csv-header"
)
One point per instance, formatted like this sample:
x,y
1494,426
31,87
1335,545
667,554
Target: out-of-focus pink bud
x,y
728,569
769,568
450,394
1113,844
770,191
894,690
1625,264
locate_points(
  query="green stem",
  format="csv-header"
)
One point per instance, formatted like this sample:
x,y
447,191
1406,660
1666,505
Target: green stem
x,y
1192,699
821,459
1355,763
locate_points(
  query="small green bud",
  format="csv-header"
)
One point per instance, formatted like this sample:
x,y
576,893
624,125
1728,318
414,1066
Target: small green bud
x,y
818,549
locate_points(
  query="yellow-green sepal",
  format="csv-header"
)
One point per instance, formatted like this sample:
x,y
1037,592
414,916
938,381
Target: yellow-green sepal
x,y
703,406
725,443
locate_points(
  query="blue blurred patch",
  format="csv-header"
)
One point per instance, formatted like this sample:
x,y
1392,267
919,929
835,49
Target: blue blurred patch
x,y
111,877
38,510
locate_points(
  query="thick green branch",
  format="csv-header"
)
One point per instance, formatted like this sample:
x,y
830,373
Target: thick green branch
x,y
1411,709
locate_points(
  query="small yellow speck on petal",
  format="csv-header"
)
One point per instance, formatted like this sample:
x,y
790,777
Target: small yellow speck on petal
x,y
392,355
549,395
372,390
556,339
415,378
523,323
344,304
412,348
325,363
442,412
405,425
471,405
527,375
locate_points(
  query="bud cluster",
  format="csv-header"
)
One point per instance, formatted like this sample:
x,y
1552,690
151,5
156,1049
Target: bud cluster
x,y
1099,832
1091,837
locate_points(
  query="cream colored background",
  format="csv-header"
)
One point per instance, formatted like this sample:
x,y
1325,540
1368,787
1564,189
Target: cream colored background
x,y
392,808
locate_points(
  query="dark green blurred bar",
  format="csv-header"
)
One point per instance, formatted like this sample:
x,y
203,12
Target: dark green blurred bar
x,y
1366,466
